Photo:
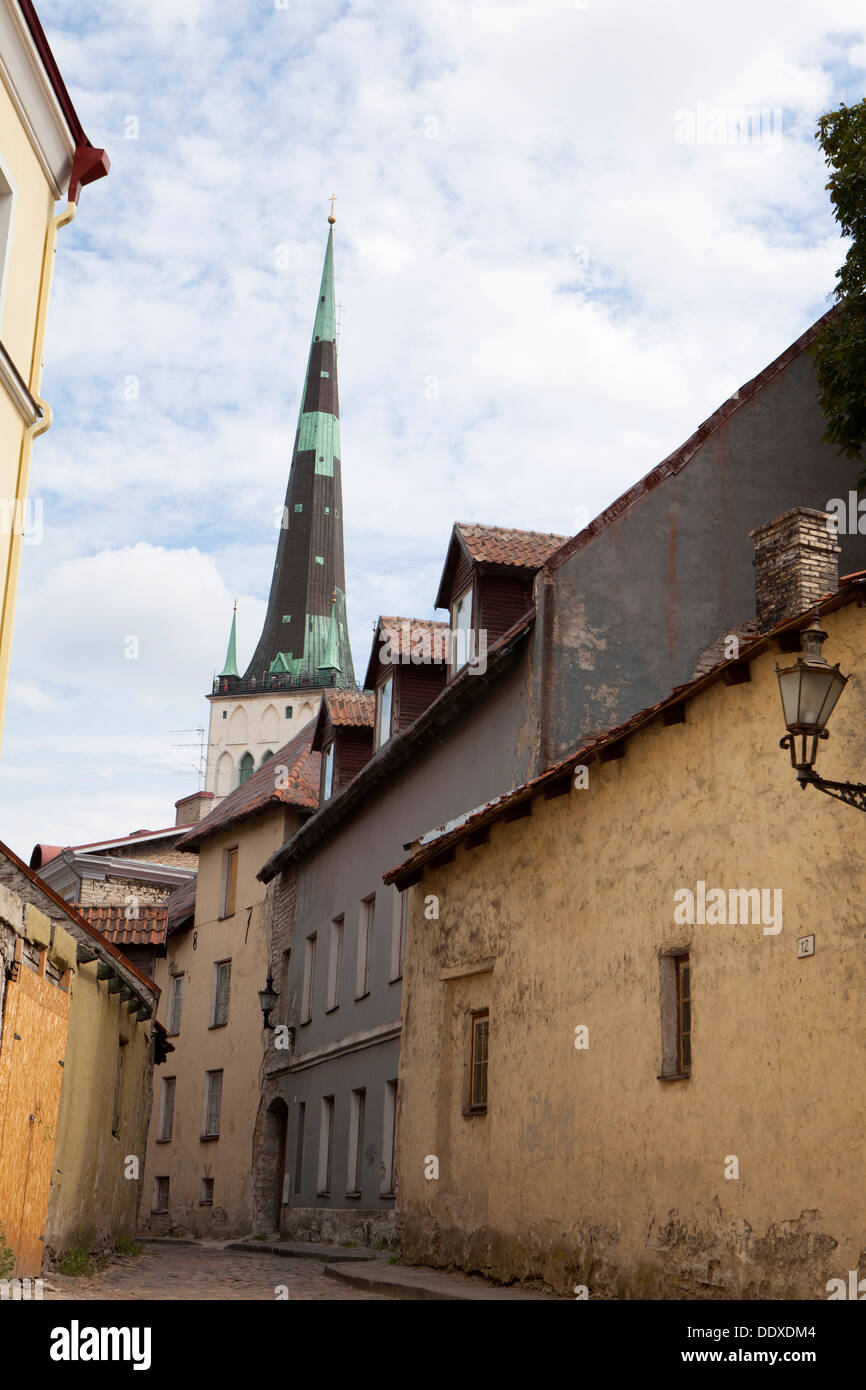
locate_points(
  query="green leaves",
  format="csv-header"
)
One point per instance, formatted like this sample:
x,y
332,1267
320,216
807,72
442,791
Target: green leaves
x,y
840,348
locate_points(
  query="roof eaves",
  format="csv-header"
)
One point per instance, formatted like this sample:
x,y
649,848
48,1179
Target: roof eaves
x,y
851,590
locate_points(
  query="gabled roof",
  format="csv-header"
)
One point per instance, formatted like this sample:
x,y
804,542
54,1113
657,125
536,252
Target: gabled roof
x,y
289,778
496,547
147,928
104,948
400,749
43,854
402,634
438,845
675,462
344,709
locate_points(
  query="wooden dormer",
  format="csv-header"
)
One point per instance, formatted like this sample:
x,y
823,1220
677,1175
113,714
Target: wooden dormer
x,y
344,737
407,669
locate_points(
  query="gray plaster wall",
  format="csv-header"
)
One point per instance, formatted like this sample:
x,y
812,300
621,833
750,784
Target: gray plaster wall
x,y
484,752
631,611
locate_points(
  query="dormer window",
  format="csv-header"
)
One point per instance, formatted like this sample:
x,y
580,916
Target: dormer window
x,y
461,624
383,711
328,771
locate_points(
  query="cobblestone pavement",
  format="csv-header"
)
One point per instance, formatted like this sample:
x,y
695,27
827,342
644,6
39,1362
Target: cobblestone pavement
x,y
198,1272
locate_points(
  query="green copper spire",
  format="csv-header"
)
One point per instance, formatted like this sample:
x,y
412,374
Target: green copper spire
x,y
231,664
305,637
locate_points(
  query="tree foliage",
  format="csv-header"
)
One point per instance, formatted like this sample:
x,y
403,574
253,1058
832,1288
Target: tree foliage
x,y
840,348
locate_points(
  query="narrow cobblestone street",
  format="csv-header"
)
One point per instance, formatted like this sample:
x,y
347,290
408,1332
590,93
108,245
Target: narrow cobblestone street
x,y
189,1272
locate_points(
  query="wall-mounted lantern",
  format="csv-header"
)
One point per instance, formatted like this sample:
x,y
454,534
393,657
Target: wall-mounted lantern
x,y
810,689
268,1000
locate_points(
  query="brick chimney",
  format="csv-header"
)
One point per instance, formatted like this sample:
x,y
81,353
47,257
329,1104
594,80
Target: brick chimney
x,y
191,809
796,564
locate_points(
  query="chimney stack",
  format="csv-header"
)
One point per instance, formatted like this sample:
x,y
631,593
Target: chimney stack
x,y
796,564
191,809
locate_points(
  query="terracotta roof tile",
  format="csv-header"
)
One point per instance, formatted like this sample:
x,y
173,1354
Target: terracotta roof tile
x,y
146,929
500,545
403,635
297,785
351,708
180,906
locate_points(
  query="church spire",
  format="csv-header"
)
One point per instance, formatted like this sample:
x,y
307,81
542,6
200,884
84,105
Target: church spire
x,y
231,662
305,630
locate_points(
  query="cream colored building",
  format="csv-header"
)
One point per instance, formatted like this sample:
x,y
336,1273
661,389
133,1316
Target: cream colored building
x,y
596,1091
198,1176
44,156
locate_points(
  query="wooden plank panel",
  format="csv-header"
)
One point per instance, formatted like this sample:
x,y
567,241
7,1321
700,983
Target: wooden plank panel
x,y
31,1078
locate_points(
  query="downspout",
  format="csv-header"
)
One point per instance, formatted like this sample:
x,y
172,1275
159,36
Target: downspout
x,y
31,432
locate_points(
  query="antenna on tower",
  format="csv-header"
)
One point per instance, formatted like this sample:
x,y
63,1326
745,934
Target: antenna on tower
x,y
200,745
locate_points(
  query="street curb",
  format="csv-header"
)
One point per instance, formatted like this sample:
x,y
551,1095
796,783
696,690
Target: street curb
x,y
302,1252
412,1287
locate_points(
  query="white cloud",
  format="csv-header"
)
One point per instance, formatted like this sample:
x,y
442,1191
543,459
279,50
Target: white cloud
x,y
516,223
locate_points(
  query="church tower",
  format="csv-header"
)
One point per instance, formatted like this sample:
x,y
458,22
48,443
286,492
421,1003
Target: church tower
x,y
304,645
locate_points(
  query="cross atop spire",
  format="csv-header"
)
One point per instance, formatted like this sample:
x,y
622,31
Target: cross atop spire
x,y
332,219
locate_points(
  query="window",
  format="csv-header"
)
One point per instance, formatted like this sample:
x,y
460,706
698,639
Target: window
x,y
684,1014
299,506
288,711
299,1147
398,939
266,756
175,1006
222,980
309,973
160,1194
365,946
225,714
328,771
230,881
386,1185
206,1197
166,1109
320,559
213,1095
284,985
326,1143
6,207
248,764
478,1065
676,998
461,623
357,1106
383,711
118,1086
335,955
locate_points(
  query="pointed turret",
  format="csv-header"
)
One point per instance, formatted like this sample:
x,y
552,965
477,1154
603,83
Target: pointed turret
x,y
305,630
231,662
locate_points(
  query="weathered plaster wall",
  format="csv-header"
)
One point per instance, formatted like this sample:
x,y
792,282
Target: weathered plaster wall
x,y
586,1169
235,1048
631,611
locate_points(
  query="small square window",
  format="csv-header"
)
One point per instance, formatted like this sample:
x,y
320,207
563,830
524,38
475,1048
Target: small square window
x,y
160,1194
287,617
299,506
326,374
320,559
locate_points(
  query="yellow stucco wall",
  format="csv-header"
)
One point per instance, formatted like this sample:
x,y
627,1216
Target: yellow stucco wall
x,y
93,1202
236,1048
587,1169
32,211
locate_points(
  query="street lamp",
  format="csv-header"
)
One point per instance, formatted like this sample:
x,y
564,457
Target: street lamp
x,y
268,1000
810,689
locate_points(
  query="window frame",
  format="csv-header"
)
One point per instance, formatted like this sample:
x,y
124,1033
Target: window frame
x,y
229,887
363,962
355,1152
155,1195
328,760
326,1147
455,664
207,1104
175,1006
478,1018
308,984
335,962
389,1139
382,737
166,1110
218,967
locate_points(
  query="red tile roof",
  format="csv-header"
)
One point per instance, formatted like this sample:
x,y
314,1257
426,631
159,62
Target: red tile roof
x,y
146,929
500,545
402,634
180,906
351,708
297,785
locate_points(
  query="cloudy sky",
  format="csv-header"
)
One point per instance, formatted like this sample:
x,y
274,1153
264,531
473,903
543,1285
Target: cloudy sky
x,y
554,259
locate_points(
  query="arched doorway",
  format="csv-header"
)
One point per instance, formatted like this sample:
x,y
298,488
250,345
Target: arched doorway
x,y
277,1123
